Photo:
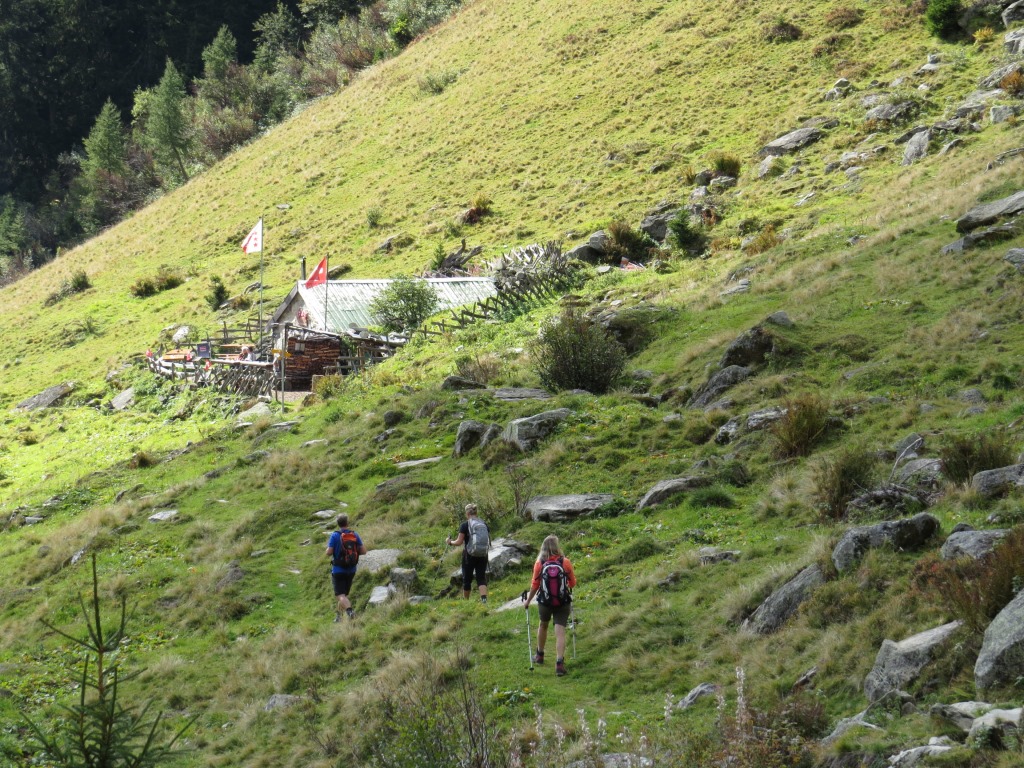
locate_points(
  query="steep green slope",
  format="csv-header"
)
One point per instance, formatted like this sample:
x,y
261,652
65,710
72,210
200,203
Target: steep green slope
x,y
560,114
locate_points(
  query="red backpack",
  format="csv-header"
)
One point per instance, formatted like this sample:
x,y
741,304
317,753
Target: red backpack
x,y
554,584
346,555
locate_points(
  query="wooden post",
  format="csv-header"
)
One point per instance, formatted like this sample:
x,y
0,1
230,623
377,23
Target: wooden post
x,y
284,357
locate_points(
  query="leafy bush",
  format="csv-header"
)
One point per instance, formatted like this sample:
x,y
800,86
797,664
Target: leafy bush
x,y
984,36
840,478
404,305
726,164
684,235
977,590
165,279
574,352
408,19
1013,84
483,369
626,242
804,426
374,217
712,497
143,287
844,17
218,293
78,283
781,31
963,456
941,18
765,240
435,83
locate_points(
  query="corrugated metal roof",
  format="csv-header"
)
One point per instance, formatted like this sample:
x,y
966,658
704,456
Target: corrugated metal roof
x,y
349,300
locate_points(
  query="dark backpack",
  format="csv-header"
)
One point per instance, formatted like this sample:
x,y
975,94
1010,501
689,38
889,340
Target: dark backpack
x,y
346,554
554,584
479,539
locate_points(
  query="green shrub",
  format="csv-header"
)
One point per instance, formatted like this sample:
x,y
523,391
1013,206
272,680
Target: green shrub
x,y
164,279
218,293
804,426
942,18
781,31
404,305
143,287
726,164
480,368
573,352
329,386
78,282
684,235
963,456
712,497
435,83
844,17
374,217
840,478
626,242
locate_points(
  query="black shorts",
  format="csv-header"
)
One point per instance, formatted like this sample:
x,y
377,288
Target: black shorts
x,y
473,566
342,582
559,613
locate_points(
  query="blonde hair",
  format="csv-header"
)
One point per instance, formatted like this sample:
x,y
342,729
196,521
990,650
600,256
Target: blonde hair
x,y
550,548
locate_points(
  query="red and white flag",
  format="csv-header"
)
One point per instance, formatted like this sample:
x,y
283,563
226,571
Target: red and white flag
x,y
319,276
253,242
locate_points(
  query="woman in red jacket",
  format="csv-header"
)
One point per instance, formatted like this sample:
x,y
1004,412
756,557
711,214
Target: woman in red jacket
x,y
553,579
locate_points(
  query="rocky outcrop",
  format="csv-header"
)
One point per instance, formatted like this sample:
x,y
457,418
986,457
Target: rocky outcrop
x,y
891,113
567,507
791,142
666,489
996,482
888,501
525,433
750,348
473,433
719,383
909,533
899,664
784,601
506,554
961,714
917,147
696,694
971,544
456,383
47,398
378,559
989,213
908,758
1001,659
655,225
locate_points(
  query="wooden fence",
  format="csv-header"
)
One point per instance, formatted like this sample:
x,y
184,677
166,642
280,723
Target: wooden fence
x,y
238,377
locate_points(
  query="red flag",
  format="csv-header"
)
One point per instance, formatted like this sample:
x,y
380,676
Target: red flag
x,y
253,242
319,276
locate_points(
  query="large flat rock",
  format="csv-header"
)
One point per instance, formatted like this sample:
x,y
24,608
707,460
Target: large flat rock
x,y
784,601
899,664
971,544
1001,659
908,533
561,509
666,489
527,432
791,142
47,398
988,213
378,559
995,482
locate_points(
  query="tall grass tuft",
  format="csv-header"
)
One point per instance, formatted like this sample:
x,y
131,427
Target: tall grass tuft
x,y
963,456
804,425
839,478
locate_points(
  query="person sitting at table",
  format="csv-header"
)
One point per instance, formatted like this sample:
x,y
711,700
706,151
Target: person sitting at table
x,y
245,354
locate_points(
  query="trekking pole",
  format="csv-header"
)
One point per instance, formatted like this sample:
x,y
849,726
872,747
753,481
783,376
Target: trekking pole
x,y
572,615
440,563
529,641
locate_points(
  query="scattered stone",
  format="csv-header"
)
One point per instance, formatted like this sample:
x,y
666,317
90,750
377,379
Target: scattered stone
x,y
714,555
123,400
784,601
995,720
468,436
889,500
899,664
260,552
950,146
696,694
33,520
525,433
764,418
1001,659
1001,113
181,335
380,595
909,447
728,431
506,554
513,394
892,113
282,701
455,383
743,286
163,515
791,142
1015,256
905,137
986,236
908,533
384,436
972,395
962,714
750,348
997,75
655,226
848,724
314,443
377,560
259,411
666,489
921,473
917,147
719,382
404,578
672,417
769,166
909,758
418,462
599,241
780,318
990,212
328,514
47,398
722,183
996,482
1014,42
566,507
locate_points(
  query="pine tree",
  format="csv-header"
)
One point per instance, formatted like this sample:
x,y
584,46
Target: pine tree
x,y
219,55
167,126
106,145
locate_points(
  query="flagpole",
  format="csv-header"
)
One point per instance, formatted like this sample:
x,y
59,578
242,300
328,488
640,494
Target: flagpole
x,y
261,282
327,285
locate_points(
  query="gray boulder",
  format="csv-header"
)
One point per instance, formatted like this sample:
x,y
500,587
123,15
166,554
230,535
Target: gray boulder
x,y
908,758
47,398
515,394
655,225
909,447
972,544
525,433
988,213
750,348
917,147
728,431
1001,113
791,142
899,664
961,714
404,578
696,694
1015,257
468,436
781,319
378,559
123,400
985,236
891,113
1014,42
765,417
889,500
722,183
921,473
909,533
718,384
258,411
1013,12
181,335
784,601
996,482
281,701
561,509
1002,721
380,595
666,489
456,383
599,241
506,554
997,75
163,516
1001,659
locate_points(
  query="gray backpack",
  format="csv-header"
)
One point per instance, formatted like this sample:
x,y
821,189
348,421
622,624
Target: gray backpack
x,y
479,539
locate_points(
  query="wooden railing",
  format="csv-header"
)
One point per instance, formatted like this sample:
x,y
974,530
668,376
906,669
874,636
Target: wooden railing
x,y
238,377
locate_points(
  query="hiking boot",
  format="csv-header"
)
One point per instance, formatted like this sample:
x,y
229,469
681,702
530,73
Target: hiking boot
x,y
560,668
538,657
483,600
337,616
351,613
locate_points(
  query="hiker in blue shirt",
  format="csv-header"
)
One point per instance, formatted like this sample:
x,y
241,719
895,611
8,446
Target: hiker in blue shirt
x,y
474,535
344,548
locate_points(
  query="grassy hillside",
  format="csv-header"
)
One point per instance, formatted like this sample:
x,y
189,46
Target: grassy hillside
x,y
568,116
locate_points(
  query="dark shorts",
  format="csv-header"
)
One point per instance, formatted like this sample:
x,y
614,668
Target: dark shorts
x,y
473,566
560,614
342,582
